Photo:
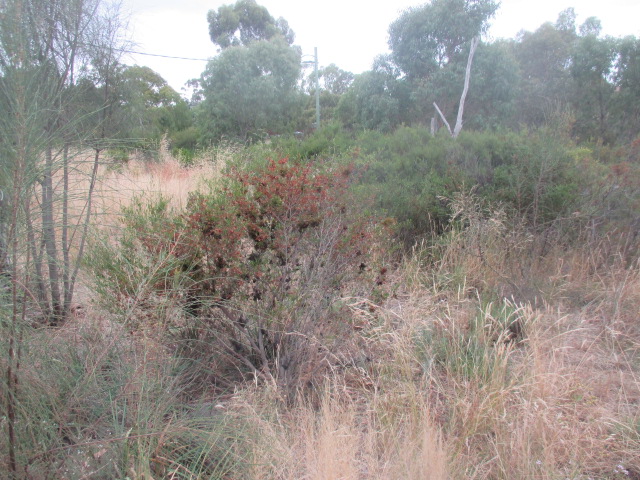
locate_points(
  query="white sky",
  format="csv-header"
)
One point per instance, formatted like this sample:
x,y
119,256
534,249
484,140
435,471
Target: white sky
x,y
349,33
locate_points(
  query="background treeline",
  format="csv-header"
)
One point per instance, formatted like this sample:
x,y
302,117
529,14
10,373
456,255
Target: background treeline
x,y
563,74
560,72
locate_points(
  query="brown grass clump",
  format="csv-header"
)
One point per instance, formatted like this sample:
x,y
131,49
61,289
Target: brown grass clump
x,y
344,437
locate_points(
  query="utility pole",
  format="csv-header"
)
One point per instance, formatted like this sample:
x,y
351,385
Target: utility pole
x,y
317,89
317,75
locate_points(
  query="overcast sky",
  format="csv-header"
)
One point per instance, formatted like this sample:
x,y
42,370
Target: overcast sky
x,y
349,33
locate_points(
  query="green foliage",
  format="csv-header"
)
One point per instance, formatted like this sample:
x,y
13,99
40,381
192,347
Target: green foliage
x,y
411,174
334,80
150,109
424,39
475,352
144,269
333,83
494,88
405,173
184,143
95,405
245,22
627,80
574,72
377,99
429,47
543,56
251,90
557,71
148,87
592,64
541,181
329,142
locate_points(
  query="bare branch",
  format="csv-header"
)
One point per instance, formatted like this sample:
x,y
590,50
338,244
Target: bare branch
x,y
443,118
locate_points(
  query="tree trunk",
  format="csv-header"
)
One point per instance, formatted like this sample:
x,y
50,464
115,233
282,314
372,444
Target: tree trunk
x,y
68,294
458,128
444,120
49,235
467,76
36,254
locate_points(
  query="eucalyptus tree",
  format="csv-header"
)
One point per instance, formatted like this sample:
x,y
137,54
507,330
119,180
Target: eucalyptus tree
x,y
626,77
252,86
333,82
544,57
592,69
573,74
150,108
377,99
428,40
245,22
494,91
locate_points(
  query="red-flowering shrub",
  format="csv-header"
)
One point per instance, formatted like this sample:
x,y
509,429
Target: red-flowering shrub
x,y
268,221
270,252
258,266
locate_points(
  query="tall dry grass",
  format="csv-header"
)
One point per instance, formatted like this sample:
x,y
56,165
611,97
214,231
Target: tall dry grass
x,y
450,391
478,358
343,436
119,184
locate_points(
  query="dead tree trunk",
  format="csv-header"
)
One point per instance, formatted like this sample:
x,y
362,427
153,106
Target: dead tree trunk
x,y
467,76
458,128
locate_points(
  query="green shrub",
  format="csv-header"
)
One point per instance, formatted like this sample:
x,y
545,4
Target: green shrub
x,y
409,174
142,267
329,141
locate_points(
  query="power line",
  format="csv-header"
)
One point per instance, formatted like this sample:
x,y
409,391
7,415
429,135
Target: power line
x,y
165,56
135,52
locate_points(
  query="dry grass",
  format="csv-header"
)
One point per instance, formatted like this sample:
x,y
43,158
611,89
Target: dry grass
x,y
117,187
437,385
559,402
119,183
344,436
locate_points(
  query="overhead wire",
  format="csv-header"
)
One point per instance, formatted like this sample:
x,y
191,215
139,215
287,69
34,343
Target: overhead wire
x,y
164,56
135,52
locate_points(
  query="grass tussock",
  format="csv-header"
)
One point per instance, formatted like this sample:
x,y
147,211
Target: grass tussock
x,y
96,403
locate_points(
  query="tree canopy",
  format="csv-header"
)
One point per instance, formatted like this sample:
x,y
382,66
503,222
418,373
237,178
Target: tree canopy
x,y
377,99
426,38
251,89
245,22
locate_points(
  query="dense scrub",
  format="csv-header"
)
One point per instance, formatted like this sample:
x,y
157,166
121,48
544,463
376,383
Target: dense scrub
x,y
540,176
401,305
